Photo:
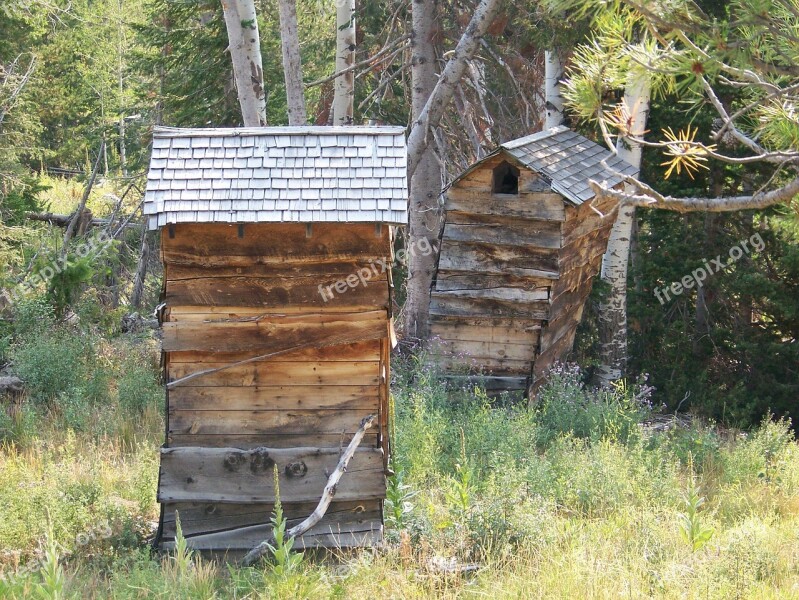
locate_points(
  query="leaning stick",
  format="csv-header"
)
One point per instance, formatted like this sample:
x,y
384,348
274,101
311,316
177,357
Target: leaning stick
x,y
327,495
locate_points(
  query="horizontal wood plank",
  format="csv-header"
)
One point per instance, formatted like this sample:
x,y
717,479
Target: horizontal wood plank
x,y
195,474
364,535
218,244
274,335
276,398
311,291
476,307
509,294
233,522
481,349
368,350
469,280
265,422
178,272
485,365
508,231
546,206
269,373
454,330
249,442
485,258
488,382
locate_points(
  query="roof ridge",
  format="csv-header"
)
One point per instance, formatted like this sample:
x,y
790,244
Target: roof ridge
x,y
535,137
269,131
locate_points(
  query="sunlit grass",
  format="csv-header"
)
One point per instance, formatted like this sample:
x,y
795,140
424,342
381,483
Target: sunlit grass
x,y
496,503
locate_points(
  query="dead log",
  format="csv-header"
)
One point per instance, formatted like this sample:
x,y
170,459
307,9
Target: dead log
x,y
141,270
134,323
327,495
79,213
11,384
63,220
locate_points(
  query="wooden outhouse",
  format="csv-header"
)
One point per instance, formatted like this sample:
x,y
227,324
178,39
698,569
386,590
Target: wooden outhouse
x,y
276,324
523,239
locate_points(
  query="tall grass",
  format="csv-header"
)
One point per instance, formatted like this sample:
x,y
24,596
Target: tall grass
x,y
570,498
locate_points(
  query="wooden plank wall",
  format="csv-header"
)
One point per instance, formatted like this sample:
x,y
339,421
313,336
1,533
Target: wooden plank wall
x,y
235,293
585,239
498,264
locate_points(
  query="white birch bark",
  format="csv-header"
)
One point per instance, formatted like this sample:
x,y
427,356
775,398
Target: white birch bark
x,y
553,73
292,62
344,88
613,312
245,53
430,116
424,219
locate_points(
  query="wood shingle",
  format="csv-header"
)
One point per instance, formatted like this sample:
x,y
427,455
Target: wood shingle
x,y
279,174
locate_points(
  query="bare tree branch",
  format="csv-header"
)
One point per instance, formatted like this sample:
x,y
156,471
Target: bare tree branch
x,y
652,199
418,139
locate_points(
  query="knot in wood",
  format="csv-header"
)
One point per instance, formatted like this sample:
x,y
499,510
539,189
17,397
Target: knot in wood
x,y
260,461
296,469
234,460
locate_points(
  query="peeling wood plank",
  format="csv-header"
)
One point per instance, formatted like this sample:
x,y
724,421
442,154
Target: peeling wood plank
x,y
484,258
497,293
532,205
507,231
471,307
468,280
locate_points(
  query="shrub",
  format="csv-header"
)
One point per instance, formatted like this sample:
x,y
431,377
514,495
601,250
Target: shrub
x,y
33,316
567,406
51,364
138,387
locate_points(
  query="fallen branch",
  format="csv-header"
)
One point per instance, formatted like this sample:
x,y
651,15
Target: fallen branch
x,y
61,220
327,496
82,206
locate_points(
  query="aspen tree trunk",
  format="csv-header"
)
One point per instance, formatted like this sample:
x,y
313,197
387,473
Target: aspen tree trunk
x,y
613,313
292,62
344,94
430,96
245,53
438,100
425,185
553,72
123,153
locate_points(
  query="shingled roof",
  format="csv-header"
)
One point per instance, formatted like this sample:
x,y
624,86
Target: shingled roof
x,y
568,161
277,174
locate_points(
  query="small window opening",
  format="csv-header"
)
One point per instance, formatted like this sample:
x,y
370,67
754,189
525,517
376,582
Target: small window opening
x,y
506,179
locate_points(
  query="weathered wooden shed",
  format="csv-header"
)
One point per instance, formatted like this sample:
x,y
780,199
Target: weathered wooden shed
x,y
277,325
522,241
